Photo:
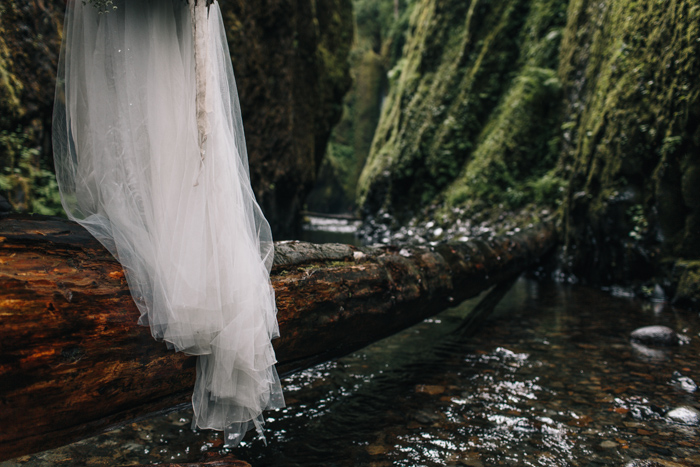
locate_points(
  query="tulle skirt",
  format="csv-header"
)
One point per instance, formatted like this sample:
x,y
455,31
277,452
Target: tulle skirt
x,y
176,209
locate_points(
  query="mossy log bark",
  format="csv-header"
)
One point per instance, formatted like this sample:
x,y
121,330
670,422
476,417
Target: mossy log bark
x,y
74,362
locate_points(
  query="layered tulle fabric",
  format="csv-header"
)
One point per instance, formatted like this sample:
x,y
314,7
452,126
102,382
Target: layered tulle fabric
x,y
173,205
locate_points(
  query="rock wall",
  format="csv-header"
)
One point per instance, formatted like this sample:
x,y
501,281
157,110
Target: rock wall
x,y
632,136
380,27
290,60
586,109
469,113
30,39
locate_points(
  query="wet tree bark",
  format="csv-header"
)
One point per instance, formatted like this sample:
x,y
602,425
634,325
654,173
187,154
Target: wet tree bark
x,y
73,361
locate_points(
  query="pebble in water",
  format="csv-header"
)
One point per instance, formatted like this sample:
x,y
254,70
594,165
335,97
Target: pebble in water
x,y
653,463
685,415
683,382
642,463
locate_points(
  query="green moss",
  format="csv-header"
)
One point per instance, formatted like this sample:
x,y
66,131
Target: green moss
x,y
469,100
688,290
10,85
334,180
378,33
630,71
29,42
307,268
520,105
28,184
513,157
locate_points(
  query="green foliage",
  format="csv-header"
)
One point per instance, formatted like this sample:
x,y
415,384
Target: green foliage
x,y
24,181
548,189
670,145
341,159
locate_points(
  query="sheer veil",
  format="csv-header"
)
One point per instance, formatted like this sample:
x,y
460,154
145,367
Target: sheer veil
x,y
171,200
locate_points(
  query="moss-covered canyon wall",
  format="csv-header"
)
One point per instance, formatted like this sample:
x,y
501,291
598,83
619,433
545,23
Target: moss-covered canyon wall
x,y
290,59
291,64
30,39
380,27
471,104
583,109
631,73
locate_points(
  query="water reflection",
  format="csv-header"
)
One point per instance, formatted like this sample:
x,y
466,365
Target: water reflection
x,y
318,229
551,380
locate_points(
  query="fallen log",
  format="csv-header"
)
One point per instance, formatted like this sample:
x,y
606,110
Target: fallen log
x,y
73,361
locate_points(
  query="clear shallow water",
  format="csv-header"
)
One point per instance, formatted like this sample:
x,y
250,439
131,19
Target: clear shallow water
x,y
551,380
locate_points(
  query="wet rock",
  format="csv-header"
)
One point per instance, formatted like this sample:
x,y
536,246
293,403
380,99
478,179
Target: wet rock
x,y
653,463
655,336
132,447
685,415
684,383
465,458
644,412
658,294
642,463
608,444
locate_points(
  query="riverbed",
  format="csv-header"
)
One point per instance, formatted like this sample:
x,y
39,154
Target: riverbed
x,y
552,379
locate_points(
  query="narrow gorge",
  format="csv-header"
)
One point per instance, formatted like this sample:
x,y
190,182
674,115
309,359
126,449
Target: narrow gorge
x,y
503,114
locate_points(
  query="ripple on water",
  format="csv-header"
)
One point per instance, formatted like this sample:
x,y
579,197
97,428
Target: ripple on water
x,y
553,381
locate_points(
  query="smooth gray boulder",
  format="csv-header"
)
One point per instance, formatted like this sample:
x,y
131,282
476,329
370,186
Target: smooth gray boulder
x,y
662,336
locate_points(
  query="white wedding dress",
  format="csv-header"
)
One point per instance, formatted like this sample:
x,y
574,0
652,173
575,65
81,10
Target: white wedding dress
x,y
151,159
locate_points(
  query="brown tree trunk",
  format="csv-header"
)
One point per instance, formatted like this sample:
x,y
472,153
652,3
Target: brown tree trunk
x,y
73,361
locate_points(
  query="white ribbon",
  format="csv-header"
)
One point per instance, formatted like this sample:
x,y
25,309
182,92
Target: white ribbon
x,y
200,34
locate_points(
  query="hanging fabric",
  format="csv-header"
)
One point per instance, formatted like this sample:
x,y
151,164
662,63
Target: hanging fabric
x,y
151,159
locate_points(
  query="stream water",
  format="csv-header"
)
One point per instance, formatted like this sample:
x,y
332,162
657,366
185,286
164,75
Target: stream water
x,y
551,379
